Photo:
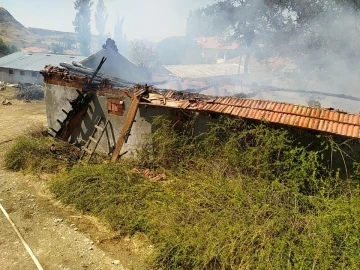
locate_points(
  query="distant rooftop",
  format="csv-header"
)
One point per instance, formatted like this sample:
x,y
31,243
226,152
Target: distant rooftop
x,y
36,61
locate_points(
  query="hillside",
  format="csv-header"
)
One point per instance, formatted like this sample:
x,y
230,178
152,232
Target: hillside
x,y
14,33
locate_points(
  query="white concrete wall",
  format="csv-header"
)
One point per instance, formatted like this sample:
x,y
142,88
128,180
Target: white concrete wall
x,y
5,76
56,98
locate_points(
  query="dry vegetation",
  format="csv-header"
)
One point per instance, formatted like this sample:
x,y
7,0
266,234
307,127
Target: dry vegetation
x,y
237,197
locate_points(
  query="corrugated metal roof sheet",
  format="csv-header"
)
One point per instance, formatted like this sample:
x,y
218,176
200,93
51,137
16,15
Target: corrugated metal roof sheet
x,y
203,71
35,61
320,119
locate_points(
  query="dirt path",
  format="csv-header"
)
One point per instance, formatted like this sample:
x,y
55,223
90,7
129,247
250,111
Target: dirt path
x,y
60,237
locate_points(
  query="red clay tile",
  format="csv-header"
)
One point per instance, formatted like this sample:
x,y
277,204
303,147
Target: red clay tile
x,y
282,118
207,106
257,114
252,102
236,111
291,119
306,123
281,108
350,130
355,132
356,119
245,103
326,125
316,123
270,106
277,107
336,116
324,114
242,112
228,109
295,108
263,105
317,113
272,117
256,104
351,119
301,121
335,127
329,126
290,108
340,127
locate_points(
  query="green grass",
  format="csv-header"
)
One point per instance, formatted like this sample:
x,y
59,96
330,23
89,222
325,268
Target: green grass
x,y
239,196
31,153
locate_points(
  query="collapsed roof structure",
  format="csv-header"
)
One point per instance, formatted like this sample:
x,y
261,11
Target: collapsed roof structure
x,y
109,114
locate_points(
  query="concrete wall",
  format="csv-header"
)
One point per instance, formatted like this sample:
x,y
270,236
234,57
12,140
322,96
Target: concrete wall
x,y
56,100
5,76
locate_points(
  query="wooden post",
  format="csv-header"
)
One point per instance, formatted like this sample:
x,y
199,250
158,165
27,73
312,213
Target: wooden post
x,y
126,127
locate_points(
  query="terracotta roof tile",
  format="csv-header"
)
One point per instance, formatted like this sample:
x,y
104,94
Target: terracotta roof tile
x,y
270,106
356,132
236,110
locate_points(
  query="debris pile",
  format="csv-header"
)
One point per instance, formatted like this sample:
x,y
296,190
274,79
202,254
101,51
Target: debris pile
x,y
29,91
6,102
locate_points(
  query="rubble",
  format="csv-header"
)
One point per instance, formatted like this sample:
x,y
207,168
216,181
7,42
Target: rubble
x,y
6,102
30,92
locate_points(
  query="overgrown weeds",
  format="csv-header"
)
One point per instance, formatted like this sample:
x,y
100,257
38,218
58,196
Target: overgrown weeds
x,y
237,196
31,153
114,192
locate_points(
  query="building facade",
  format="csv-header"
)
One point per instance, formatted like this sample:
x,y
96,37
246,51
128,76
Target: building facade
x,y
23,67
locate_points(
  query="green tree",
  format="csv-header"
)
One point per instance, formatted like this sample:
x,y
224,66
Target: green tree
x,y
82,24
101,17
313,33
143,55
7,49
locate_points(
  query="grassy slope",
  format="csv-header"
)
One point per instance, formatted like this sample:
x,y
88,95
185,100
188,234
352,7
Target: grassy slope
x,y
238,197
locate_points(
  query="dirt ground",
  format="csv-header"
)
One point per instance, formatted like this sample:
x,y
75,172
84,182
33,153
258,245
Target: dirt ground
x,y
60,237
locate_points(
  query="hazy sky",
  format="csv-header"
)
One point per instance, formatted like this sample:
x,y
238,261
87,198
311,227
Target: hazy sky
x,y
145,19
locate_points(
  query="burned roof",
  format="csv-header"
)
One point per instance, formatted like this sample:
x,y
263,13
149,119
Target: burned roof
x,y
319,119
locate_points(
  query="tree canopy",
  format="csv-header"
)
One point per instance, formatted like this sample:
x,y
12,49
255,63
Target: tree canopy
x,y
101,17
82,24
307,30
7,49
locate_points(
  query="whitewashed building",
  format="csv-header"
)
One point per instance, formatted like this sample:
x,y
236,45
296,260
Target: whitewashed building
x,y
23,67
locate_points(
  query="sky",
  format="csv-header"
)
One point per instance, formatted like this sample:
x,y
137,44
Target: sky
x,y
144,19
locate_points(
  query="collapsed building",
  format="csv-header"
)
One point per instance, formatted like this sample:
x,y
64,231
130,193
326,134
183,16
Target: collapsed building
x,y
109,114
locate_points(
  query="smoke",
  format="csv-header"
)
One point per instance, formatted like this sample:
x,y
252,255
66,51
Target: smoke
x,y
318,41
326,53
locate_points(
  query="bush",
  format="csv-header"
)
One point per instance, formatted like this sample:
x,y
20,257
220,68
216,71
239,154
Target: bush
x,y
108,190
239,196
31,153
212,222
